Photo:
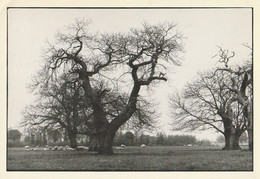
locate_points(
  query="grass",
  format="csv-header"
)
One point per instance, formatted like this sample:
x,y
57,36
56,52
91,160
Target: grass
x,y
133,158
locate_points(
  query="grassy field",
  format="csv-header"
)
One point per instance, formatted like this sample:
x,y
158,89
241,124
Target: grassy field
x,y
132,158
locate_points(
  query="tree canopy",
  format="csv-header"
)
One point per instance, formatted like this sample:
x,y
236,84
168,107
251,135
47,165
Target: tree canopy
x,y
108,72
14,134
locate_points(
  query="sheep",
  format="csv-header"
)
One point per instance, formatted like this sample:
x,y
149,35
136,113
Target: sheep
x,y
69,149
55,148
26,147
36,148
121,147
66,147
60,148
82,148
143,146
47,147
86,148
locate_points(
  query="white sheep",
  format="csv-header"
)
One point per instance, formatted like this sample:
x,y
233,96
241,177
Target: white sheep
x,y
121,147
143,146
55,148
60,148
46,147
26,147
82,148
69,148
86,148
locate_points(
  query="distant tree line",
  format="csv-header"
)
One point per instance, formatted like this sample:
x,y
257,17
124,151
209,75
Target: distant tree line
x,y
40,137
160,139
14,137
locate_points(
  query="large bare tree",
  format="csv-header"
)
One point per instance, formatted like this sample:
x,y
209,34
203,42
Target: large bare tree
x,y
127,62
61,104
208,103
241,84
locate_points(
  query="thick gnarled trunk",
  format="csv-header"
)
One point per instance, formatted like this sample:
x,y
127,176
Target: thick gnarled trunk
x,y
106,143
227,142
102,143
250,127
73,140
104,131
250,138
235,141
231,136
232,142
227,134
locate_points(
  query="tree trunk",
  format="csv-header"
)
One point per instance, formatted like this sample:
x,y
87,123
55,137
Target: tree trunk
x,y
227,142
227,133
94,143
44,138
250,138
235,141
73,140
106,142
250,127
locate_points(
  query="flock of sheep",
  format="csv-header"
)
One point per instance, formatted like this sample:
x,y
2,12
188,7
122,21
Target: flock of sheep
x,y
67,148
47,147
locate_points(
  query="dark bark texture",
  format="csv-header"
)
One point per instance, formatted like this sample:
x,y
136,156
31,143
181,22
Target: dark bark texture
x,y
250,139
235,141
73,140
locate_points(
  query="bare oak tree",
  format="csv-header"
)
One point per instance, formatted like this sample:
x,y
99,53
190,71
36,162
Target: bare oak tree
x,y
208,103
241,84
137,59
61,104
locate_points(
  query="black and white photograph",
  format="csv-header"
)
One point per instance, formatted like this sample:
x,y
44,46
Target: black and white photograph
x,y
130,89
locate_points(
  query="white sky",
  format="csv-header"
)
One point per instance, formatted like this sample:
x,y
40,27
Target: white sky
x,y
204,29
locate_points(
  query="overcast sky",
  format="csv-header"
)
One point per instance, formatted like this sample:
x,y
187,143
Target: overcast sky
x,y
204,30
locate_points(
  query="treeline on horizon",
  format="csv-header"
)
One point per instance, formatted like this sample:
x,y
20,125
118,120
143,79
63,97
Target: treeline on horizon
x,y
128,138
